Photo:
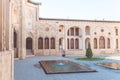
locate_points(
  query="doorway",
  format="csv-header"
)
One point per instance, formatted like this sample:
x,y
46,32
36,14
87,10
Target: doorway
x,y
15,44
29,43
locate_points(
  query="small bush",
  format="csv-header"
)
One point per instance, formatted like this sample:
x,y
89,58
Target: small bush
x,y
90,59
89,53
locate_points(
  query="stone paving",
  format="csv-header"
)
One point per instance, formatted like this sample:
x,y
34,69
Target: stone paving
x,y
29,69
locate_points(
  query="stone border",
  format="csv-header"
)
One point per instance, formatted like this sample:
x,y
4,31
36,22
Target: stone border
x,y
110,65
47,70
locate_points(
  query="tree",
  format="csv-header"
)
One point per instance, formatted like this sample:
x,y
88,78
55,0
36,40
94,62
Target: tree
x,y
89,53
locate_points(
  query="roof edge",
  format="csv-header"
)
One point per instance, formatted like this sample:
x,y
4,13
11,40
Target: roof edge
x,y
78,20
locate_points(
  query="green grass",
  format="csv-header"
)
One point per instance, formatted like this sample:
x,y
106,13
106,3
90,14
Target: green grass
x,y
90,59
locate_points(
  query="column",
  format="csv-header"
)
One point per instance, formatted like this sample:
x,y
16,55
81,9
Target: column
x,y
22,48
81,44
34,44
74,43
65,37
98,43
106,43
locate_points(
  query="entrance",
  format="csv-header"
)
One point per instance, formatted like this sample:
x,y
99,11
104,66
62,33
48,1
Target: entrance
x,y
29,46
15,45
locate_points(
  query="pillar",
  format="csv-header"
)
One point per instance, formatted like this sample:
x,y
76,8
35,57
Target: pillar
x,y
98,43
106,42
22,38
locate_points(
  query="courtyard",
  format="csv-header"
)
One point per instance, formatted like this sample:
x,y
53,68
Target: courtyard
x,y
29,69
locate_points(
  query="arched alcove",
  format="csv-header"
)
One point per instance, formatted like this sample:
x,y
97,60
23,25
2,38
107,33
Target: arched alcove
x,y
87,40
29,43
102,42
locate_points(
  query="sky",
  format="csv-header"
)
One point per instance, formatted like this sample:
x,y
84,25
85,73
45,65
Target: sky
x,y
80,9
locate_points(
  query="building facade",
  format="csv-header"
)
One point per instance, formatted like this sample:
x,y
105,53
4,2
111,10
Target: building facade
x,y
32,35
23,33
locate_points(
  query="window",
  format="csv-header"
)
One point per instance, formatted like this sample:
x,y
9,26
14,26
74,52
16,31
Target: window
x,y
40,43
102,42
46,43
72,43
77,31
72,31
76,43
52,43
29,43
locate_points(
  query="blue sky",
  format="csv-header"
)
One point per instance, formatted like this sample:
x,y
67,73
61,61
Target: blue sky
x,y
80,9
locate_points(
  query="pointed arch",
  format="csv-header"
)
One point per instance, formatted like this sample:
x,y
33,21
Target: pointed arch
x,y
77,43
46,43
40,43
77,31
72,31
52,43
29,43
72,43
102,42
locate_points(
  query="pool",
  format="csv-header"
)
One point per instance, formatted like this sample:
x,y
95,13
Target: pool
x,y
64,66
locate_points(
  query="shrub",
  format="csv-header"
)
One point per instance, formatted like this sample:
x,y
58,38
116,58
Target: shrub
x,y
89,53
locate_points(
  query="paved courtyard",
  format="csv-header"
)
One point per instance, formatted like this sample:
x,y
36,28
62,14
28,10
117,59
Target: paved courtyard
x,y
29,69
